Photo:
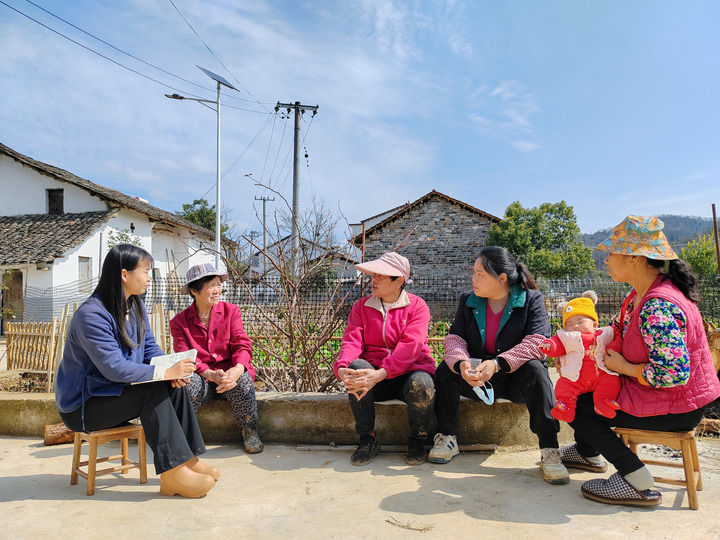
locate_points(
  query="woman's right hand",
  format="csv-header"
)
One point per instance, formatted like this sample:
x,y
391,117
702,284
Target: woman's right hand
x,y
353,381
180,369
471,376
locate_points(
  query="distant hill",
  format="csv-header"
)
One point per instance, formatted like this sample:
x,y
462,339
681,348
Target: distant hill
x,y
679,231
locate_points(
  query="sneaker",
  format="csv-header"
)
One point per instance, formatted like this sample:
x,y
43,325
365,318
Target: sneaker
x,y
571,457
366,450
251,440
444,448
616,490
554,472
416,451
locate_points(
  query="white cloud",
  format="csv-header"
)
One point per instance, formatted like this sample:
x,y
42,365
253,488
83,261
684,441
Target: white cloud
x,y
525,146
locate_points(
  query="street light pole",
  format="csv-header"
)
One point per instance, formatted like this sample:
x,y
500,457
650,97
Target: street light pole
x,y
220,81
217,187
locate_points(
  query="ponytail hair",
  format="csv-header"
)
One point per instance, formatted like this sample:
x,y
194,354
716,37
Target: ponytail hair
x,y
111,292
497,260
681,275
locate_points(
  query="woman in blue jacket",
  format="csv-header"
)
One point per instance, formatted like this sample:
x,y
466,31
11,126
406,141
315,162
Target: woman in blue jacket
x,y
108,347
499,324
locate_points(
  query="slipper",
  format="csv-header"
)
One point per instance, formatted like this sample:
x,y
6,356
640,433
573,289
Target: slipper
x,y
616,490
485,393
571,457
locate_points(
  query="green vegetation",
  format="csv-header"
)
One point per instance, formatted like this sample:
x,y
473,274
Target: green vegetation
x,y
546,239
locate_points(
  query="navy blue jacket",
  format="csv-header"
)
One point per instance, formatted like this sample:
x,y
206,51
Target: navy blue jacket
x,y
524,315
95,363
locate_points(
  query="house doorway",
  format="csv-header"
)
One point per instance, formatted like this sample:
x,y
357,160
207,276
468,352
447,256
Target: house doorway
x,y
11,298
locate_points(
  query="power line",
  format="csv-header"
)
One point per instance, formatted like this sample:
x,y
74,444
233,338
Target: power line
x,y
127,53
247,147
214,55
90,49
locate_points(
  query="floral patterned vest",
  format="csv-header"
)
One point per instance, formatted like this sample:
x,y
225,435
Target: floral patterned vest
x,y
702,386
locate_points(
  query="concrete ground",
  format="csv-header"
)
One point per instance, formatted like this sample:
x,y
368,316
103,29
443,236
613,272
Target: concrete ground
x,y
290,493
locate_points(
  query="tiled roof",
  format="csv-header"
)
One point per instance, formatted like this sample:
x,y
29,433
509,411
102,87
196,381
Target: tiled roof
x,y
112,197
404,209
44,237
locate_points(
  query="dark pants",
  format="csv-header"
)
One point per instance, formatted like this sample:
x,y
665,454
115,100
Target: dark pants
x,y
415,388
594,435
167,417
529,384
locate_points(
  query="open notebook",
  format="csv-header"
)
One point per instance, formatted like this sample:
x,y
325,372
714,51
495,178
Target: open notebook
x,y
167,360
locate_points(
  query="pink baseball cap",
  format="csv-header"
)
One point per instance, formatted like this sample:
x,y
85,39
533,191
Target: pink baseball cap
x,y
389,264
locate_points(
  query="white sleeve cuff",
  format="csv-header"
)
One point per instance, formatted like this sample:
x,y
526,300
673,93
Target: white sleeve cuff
x,y
159,374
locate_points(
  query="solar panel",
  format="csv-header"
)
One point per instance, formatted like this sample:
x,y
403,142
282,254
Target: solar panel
x,y
216,77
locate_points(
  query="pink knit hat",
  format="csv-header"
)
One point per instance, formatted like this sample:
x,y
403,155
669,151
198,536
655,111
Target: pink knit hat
x,y
389,264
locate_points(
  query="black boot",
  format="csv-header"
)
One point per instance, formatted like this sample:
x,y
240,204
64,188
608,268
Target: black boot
x,y
366,449
416,451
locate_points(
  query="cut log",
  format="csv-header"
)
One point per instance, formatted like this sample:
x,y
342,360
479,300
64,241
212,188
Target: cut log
x,y
57,434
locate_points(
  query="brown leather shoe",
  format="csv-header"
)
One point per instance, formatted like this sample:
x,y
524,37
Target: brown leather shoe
x,y
199,467
183,481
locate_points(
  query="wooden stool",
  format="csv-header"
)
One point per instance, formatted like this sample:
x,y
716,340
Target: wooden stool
x,y
680,440
96,438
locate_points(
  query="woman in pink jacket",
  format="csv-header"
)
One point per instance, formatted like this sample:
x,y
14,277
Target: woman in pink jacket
x,y
384,355
224,351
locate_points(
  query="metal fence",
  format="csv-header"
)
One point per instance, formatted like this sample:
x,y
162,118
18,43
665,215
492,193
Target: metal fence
x,y
441,295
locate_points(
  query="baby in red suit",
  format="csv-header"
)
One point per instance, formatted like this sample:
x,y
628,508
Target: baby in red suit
x,y
579,350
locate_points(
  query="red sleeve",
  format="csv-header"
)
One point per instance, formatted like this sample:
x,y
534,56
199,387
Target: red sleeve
x,y
240,344
414,337
181,342
556,347
352,341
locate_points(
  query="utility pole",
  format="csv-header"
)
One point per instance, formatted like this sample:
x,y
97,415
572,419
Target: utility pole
x,y
264,200
295,236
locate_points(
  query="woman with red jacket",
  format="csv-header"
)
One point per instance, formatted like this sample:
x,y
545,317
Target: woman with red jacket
x,y
224,351
385,355
666,369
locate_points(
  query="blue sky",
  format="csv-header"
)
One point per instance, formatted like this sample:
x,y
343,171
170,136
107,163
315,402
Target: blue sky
x,y
611,106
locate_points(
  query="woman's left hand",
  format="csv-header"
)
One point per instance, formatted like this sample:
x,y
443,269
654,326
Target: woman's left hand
x,y
179,383
227,380
616,362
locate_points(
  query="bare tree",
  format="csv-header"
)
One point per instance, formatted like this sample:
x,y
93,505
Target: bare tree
x,y
294,317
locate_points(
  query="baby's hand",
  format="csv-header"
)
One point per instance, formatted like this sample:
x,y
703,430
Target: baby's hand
x,y
545,346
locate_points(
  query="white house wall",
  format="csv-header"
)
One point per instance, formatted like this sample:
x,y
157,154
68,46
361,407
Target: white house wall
x,y
24,191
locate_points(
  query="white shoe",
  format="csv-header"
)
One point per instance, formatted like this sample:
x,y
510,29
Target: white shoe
x,y
554,472
444,448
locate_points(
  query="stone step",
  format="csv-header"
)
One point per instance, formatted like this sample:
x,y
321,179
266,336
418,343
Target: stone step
x,y
310,418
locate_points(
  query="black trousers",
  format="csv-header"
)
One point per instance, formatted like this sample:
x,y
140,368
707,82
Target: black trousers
x,y
415,388
529,384
167,416
594,434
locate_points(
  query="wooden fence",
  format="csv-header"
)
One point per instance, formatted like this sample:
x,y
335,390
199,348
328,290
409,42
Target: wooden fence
x,y
36,346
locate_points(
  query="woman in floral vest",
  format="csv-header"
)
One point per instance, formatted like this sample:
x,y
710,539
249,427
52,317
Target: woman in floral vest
x,y
666,368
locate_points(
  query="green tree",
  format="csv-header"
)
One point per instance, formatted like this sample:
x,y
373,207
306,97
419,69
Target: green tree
x,y
202,214
701,256
122,236
546,239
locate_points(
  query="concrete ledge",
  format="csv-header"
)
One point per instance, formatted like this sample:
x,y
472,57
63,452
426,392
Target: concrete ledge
x,y
310,418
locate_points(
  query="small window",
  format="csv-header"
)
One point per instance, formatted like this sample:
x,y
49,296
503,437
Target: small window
x,y
55,201
85,273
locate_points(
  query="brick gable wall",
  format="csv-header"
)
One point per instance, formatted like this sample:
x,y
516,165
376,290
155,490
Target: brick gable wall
x,y
445,240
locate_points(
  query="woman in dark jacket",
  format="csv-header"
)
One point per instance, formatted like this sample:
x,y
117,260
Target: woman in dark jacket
x,y
495,339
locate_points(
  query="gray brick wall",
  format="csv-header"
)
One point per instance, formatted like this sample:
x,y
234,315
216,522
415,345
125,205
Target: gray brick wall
x,y
441,239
